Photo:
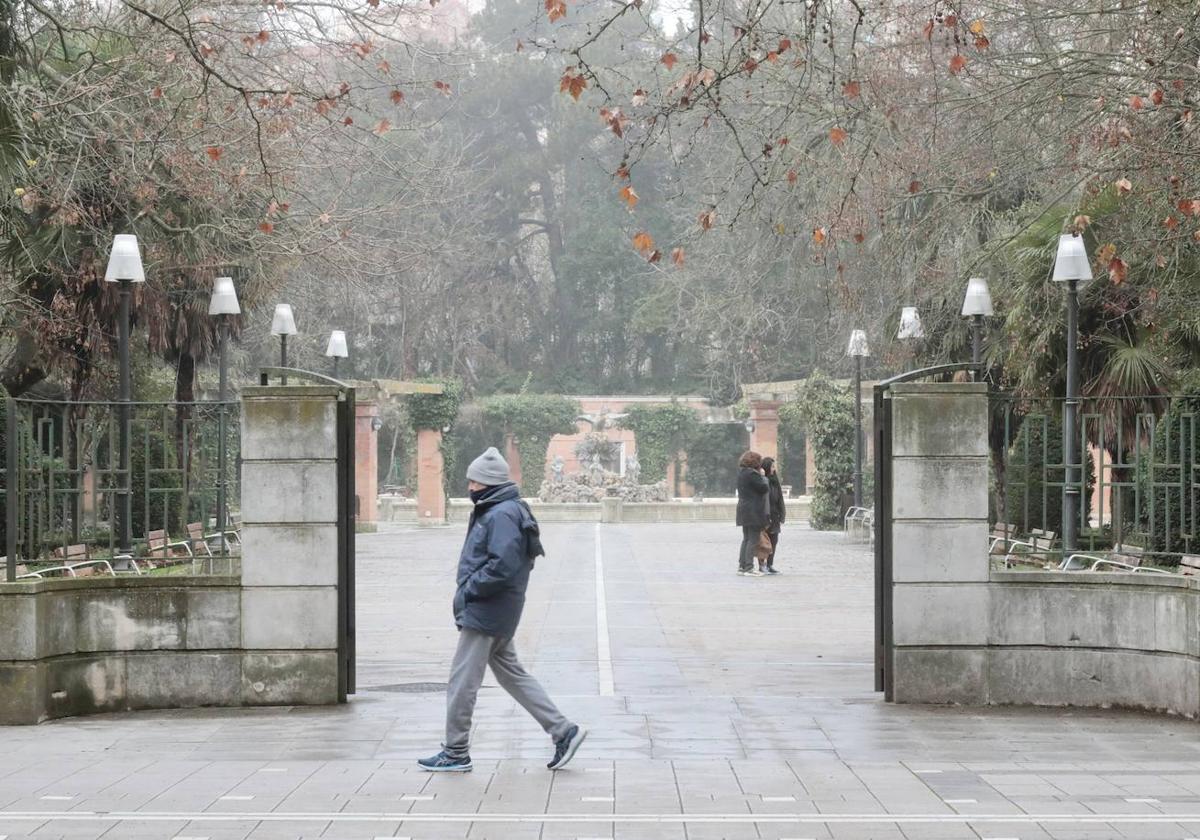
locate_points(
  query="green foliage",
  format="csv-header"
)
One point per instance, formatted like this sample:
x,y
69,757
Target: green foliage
x,y
713,453
1166,499
662,432
1033,489
435,411
824,411
532,419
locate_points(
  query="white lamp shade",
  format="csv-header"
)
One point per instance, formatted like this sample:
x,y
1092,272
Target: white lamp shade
x,y
978,300
910,323
125,260
1072,262
858,344
283,322
337,345
224,300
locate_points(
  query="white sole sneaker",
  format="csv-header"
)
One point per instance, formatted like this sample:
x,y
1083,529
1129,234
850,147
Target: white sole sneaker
x,y
572,748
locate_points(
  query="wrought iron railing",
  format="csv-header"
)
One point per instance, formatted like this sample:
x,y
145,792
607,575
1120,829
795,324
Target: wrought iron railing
x,y
65,488
1138,476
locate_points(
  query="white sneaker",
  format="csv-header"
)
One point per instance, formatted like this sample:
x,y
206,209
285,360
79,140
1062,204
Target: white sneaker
x,y
754,573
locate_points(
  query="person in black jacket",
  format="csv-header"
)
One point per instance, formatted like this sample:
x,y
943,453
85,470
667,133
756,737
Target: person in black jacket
x,y
777,515
502,542
752,511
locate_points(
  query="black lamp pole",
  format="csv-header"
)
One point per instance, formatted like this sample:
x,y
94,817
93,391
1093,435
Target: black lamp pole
x,y
1070,421
858,434
125,491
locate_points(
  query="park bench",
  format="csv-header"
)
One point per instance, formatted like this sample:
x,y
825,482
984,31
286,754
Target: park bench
x,y
1122,558
859,522
1189,565
159,546
76,558
1003,542
233,532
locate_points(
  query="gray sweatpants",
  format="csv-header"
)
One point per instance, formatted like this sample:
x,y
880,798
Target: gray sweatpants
x,y
475,652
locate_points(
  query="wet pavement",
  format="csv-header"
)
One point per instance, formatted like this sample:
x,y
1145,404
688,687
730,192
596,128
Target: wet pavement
x,y
719,707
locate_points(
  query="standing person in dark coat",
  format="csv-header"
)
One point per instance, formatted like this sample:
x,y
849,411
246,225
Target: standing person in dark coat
x,y
752,512
493,572
778,512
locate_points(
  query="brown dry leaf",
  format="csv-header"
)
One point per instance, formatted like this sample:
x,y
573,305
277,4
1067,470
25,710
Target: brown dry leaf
x,y
643,243
819,236
792,176
1157,96
957,64
773,57
397,96
1106,253
443,87
976,27
1081,222
382,128
837,135
859,237
630,197
982,42
668,60
927,30
708,218
785,44
1189,207
556,9
851,89
1170,223
1136,103
572,83
950,21
263,36
1116,271
750,66
215,152
639,98
266,227
157,93
914,187
1124,186
324,218
677,257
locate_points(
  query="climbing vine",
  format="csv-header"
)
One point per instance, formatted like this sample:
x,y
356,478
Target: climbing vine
x,y
532,419
438,411
824,411
662,432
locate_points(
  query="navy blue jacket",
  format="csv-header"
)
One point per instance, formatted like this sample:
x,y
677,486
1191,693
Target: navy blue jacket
x,y
497,557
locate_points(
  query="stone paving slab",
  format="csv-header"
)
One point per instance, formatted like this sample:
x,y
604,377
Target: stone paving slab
x,y
742,708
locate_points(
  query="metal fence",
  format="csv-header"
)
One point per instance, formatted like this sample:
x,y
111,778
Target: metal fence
x,y
1138,476
64,488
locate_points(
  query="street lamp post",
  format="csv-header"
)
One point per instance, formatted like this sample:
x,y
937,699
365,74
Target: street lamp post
x,y
337,349
124,267
1071,265
977,305
283,324
858,349
223,305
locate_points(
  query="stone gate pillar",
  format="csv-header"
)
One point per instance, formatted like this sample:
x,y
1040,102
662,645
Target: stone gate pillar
x,y
513,456
431,492
289,545
940,564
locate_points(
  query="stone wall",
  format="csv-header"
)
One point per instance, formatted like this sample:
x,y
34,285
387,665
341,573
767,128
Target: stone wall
x,y
86,645
966,634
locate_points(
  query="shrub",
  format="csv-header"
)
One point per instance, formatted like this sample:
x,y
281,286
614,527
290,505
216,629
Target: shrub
x,y
825,411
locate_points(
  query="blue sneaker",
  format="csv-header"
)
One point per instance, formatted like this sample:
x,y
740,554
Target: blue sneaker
x,y
565,749
445,763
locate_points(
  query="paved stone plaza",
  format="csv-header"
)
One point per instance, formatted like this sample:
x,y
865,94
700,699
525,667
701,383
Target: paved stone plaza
x,y
719,707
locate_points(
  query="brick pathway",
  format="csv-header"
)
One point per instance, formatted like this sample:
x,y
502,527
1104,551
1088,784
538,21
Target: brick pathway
x,y
726,707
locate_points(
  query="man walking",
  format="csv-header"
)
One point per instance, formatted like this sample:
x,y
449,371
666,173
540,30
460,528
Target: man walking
x,y
493,572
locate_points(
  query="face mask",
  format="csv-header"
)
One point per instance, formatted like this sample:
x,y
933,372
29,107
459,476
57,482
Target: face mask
x,y
476,495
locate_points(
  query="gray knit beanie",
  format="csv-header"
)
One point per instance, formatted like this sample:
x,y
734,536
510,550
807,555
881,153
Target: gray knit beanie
x,y
489,469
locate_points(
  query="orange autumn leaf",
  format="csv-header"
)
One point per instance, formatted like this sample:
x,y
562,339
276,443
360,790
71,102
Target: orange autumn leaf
x,y
819,236
1170,223
572,83
629,196
976,27
443,87
215,152
382,127
556,9
1116,271
982,42
950,21
266,227
957,64
1157,96
1124,186
1136,103
668,60
785,44
643,243
837,135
